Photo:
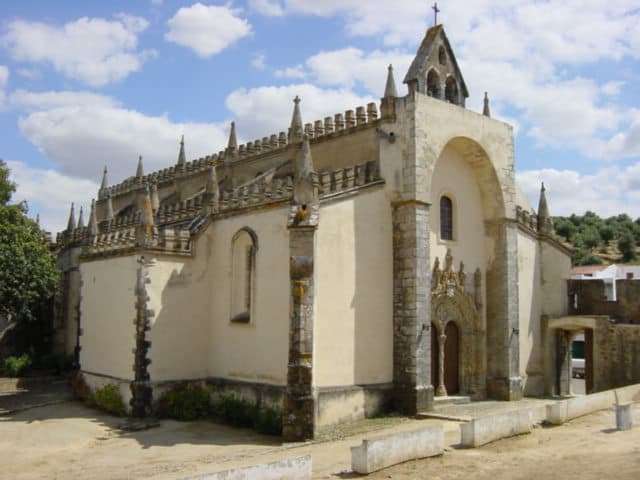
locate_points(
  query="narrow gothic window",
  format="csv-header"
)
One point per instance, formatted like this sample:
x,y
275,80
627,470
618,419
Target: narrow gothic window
x,y
243,253
446,218
433,84
442,56
451,90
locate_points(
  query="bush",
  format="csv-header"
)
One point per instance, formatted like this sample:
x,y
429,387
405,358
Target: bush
x,y
242,413
16,366
108,399
184,402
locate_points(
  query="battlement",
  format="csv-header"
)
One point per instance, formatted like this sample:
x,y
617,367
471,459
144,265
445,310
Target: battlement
x,y
166,175
329,127
526,218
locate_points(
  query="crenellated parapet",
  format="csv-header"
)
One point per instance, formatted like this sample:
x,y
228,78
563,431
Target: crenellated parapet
x,y
164,176
527,219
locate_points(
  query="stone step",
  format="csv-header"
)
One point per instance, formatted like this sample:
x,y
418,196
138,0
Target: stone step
x,y
450,400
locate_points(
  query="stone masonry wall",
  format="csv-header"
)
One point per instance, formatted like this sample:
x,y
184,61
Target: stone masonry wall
x,y
412,307
616,355
591,300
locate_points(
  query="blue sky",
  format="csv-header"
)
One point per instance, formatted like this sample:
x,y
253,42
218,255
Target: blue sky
x,y
89,83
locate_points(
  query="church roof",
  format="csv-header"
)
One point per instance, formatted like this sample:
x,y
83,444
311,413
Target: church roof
x,y
424,52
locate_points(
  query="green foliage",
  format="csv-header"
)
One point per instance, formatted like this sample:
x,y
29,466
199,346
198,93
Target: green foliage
x,y
627,246
184,402
7,187
16,366
191,402
108,399
590,237
589,232
607,233
28,275
585,257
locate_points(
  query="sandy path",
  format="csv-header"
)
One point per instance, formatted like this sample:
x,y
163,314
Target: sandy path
x,y
70,441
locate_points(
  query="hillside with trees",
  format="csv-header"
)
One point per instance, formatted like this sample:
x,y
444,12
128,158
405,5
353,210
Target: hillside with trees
x,y
600,240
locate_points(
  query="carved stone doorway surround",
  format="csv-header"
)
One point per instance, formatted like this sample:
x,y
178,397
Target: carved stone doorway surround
x,y
450,302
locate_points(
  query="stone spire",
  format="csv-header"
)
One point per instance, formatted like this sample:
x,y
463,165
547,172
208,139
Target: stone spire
x,y
211,192
93,221
155,200
545,223
145,231
139,170
486,111
182,159
232,145
80,218
71,224
296,130
390,89
105,181
38,219
305,191
108,214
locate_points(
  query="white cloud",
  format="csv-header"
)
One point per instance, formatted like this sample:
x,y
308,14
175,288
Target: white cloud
x,y
259,61
267,7
4,79
296,72
609,191
266,110
92,50
24,99
50,194
29,73
207,30
612,88
81,139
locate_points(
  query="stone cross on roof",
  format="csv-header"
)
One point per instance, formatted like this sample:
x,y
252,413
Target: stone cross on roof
x,y
436,10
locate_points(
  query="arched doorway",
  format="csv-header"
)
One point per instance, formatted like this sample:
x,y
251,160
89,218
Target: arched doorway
x,y
456,337
451,355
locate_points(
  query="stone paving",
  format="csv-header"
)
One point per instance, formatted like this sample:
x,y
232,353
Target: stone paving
x,y
22,395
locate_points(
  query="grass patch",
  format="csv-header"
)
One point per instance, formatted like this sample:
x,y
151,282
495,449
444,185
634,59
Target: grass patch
x,y
108,399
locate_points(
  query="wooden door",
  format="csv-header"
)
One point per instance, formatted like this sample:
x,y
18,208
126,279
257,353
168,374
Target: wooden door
x,y
451,346
435,353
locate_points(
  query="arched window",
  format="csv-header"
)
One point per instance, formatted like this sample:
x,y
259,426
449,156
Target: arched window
x,y
433,84
446,218
451,90
442,56
243,258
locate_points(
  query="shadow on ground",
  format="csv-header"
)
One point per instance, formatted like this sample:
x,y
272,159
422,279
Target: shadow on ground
x,y
52,400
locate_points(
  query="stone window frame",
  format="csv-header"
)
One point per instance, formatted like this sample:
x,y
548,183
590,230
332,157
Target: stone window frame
x,y
451,223
442,56
437,93
449,96
247,276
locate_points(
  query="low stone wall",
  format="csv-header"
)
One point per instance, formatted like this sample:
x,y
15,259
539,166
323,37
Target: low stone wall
x,y
298,468
347,404
481,431
384,451
564,410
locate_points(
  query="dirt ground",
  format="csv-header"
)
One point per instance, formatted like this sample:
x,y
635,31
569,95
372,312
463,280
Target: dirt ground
x,y
68,440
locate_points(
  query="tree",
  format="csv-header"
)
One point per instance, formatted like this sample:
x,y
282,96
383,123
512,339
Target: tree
x,y
627,246
590,237
606,233
28,275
